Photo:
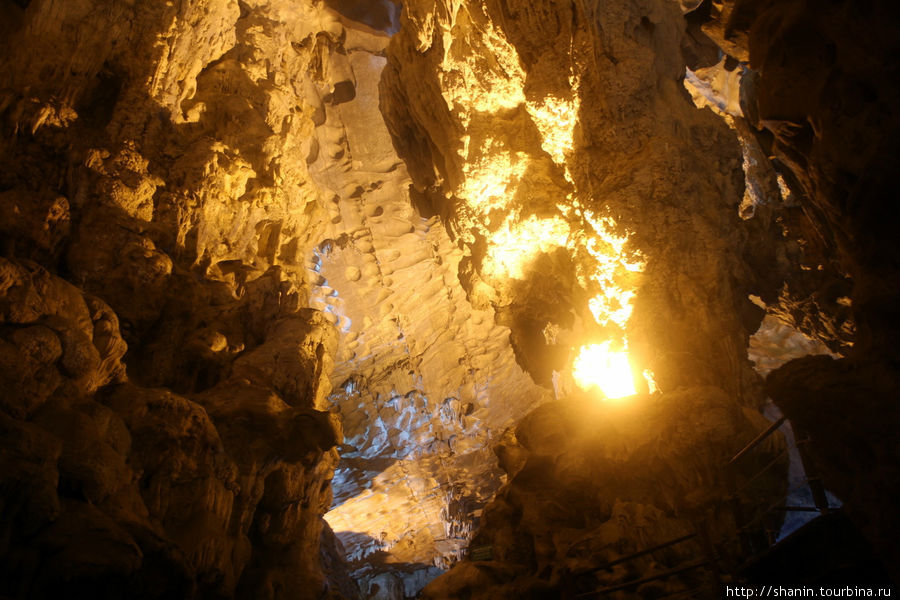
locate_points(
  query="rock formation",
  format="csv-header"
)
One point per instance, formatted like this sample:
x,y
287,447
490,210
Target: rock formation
x,y
210,170
112,488
167,430
590,483
303,298
819,104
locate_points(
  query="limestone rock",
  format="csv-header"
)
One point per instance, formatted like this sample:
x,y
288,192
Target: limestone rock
x,y
109,486
196,172
239,238
535,138
56,339
601,481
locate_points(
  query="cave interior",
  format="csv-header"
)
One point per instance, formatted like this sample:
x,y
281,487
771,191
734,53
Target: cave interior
x,y
449,299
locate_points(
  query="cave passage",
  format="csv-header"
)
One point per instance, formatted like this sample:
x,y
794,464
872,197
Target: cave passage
x,y
347,299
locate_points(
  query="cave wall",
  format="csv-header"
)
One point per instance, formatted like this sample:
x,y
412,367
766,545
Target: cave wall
x,y
820,103
207,199
227,227
823,104
817,99
423,380
165,415
474,94
114,490
471,81
471,93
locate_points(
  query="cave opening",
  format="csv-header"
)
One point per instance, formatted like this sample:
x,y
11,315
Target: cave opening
x,y
348,299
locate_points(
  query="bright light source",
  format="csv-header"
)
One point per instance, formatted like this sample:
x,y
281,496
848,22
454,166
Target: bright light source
x,y
609,370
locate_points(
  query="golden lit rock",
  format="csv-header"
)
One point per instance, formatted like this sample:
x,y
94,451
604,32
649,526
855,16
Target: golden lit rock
x,y
515,244
316,299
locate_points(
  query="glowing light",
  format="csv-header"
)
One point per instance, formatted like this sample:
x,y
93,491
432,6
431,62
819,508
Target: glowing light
x,y
555,119
515,244
612,270
612,305
495,170
612,266
491,177
470,85
599,366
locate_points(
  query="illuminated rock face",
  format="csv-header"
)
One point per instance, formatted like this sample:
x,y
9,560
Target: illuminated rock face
x,y
220,175
264,263
422,380
156,193
614,240
609,217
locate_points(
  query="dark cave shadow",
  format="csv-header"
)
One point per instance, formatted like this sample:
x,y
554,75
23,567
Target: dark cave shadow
x,y
381,15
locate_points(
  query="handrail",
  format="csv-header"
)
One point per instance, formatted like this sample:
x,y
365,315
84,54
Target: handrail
x,y
771,463
638,554
711,557
758,439
776,504
661,575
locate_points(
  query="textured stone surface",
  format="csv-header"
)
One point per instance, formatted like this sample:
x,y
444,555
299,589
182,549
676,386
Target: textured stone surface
x,y
590,482
543,135
114,489
160,169
571,121
209,170
422,380
239,237
847,408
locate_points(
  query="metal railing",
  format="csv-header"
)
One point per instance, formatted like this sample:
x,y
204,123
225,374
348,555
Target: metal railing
x,y
711,557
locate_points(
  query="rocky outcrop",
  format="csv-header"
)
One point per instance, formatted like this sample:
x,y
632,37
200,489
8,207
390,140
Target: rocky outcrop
x,y
847,409
591,482
816,102
113,490
166,428
567,158
216,182
819,103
